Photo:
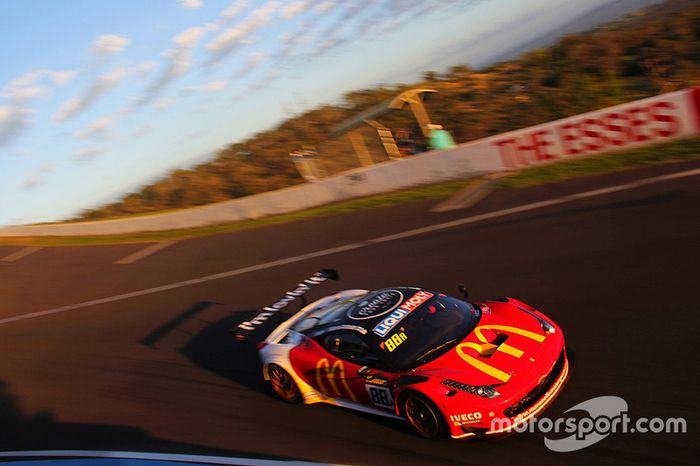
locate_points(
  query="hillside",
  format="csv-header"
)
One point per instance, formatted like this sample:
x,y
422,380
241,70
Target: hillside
x,y
650,52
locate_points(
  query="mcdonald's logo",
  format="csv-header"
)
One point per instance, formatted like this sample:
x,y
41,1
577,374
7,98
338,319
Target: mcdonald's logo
x,y
487,349
332,374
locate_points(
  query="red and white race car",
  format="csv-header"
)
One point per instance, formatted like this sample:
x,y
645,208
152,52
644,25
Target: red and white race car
x,y
448,366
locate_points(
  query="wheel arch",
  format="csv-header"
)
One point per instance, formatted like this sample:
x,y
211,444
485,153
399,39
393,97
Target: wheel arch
x,y
403,392
399,402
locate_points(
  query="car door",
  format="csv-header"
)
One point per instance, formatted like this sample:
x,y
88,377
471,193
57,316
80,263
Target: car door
x,y
342,373
325,372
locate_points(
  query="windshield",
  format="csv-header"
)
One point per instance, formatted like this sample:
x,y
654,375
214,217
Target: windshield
x,y
429,332
324,315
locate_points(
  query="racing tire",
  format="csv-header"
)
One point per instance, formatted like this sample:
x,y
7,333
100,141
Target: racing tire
x,y
425,418
283,384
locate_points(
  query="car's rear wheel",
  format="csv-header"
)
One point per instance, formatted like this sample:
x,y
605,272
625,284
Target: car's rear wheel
x,y
283,384
425,418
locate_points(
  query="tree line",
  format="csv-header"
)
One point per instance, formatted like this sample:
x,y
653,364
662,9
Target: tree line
x,y
649,52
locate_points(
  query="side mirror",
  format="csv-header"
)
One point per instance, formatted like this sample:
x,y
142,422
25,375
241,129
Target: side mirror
x,y
463,289
364,372
372,377
330,274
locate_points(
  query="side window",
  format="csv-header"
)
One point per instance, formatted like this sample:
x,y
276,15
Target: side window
x,y
350,347
345,346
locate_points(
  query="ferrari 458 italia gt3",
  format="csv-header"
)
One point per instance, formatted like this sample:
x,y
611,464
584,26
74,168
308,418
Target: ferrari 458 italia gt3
x,y
446,365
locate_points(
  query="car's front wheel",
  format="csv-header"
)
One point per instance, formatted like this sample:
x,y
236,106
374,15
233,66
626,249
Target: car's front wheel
x,y
424,416
283,384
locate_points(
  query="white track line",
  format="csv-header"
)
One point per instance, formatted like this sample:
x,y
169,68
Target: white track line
x,y
17,255
147,251
349,247
129,455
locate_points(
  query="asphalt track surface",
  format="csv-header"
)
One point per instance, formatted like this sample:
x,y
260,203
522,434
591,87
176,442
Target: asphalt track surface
x,y
159,372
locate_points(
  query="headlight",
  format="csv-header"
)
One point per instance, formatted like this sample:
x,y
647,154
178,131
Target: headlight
x,y
485,391
546,326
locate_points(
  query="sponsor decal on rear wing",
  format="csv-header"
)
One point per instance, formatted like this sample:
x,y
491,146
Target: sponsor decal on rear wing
x,y
244,329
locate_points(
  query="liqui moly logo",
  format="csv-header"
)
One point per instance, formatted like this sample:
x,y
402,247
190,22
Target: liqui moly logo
x,y
416,300
402,311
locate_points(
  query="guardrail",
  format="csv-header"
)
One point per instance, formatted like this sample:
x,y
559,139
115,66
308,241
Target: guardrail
x,y
662,118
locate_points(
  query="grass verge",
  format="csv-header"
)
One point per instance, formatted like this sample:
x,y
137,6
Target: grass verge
x,y
380,200
687,149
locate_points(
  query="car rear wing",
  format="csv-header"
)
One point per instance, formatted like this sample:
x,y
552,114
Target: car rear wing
x,y
244,329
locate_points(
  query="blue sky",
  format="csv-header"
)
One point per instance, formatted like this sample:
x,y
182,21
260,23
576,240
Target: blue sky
x,y
100,97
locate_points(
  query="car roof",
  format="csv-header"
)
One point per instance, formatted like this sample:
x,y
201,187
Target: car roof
x,y
371,315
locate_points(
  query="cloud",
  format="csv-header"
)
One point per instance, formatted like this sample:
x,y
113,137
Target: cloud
x,y
25,87
407,11
295,8
107,45
291,41
266,80
29,85
231,39
178,60
144,67
37,177
98,128
260,84
62,77
193,136
26,93
191,4
12,122
325,7
19,92
27,79
367,19
256,59
89,152
233,10
187,91
389,12
190,36
99,86
215,86
140,131
331,35
163,103
126,109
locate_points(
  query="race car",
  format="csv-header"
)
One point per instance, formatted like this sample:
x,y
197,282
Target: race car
x,y
446,365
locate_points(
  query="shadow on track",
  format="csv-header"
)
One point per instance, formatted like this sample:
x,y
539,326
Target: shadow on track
x,y
42,431
214,349
202,334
